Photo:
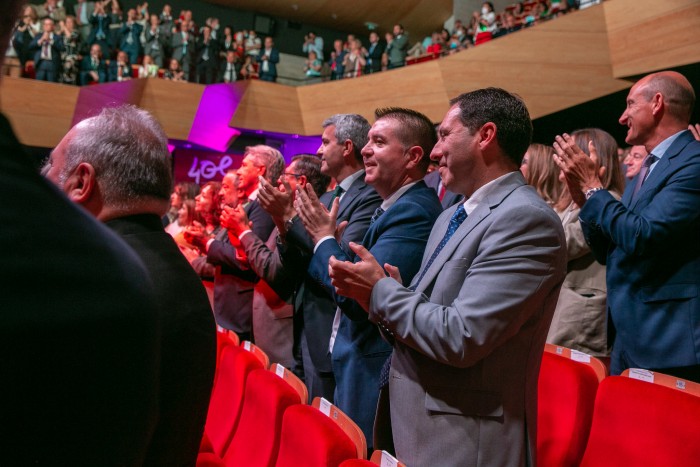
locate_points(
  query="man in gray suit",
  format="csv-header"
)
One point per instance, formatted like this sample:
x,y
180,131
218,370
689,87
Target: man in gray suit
x,y
469,331
398,48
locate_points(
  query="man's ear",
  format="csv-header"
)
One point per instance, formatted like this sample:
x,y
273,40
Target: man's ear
x,y
415,155
348,149
81,184
487,134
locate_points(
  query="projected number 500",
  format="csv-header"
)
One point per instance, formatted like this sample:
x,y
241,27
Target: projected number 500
x,y
207,169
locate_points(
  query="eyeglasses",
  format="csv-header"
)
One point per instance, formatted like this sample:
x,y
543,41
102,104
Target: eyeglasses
x,y
290,174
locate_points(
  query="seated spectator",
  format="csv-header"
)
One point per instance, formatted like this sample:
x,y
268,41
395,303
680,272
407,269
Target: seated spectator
x,y
580,318
174,72
120,69
510,24
436,44
93,68
47,49
313,65
72,51
148,69
249,69
354,61
227,71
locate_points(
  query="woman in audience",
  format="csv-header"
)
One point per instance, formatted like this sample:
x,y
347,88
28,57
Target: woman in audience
x,y
174,72
71,55
580,319
539,171
313,66
354,60
148,69
186,216
248,69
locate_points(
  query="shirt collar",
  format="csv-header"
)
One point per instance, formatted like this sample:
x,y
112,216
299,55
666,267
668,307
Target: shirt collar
x,y
349,180
663,146
389,202
480,194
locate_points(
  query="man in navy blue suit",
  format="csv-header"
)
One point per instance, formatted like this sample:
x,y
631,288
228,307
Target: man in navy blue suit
x,y
648,239
47,50
396,159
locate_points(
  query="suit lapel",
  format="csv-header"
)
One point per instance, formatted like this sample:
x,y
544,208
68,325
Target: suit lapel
x,y
350,196
663,166
504,188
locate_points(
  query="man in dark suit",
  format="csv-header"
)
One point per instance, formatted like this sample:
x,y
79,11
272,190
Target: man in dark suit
x,y
207,57
272,303
396,159
79,329
470,330
47,49
128,187
648,239
100,30
447,197
130,37
93,68
374,54
234,285
269,58
183,49
120,69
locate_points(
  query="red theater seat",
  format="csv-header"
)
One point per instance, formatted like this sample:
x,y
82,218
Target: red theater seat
x,y
227,396
312,439
382,458
639,423
257,437
258,352
565,398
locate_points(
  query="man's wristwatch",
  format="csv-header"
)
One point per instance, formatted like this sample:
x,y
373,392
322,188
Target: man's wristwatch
x,y
590,192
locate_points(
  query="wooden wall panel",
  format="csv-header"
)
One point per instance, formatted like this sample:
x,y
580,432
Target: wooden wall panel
x,y
41,113
648,35
173,104
269,106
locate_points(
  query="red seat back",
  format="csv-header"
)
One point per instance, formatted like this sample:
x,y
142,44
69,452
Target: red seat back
x,y
565,398
312,439
640,423
227,395
256,440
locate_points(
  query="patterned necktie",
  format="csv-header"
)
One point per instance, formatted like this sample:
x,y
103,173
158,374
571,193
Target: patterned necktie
x,y
378,212
643,173
457,218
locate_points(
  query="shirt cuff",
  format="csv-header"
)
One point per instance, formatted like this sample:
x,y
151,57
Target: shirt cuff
x,y
206,247
244,233
323,239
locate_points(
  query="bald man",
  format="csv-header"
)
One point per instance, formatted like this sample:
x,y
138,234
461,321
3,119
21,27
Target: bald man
x,y
648,239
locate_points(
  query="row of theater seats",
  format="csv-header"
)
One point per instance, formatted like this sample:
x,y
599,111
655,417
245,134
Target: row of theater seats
x,y
259,417
586,418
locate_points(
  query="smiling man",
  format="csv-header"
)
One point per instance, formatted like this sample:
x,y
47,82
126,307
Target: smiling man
x,y
396,159
470,329
648,239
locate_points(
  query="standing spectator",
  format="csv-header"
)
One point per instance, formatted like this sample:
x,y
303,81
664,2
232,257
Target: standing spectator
x,y
313,42
183,46
130,37
99,29
227,42
252,44
156,38
120,68
93,69
25,32
337,60
397,48
47,49
633,161
373,57
83,10
354,60
228,73
116,16
649,239
72,52
268,60
52,9
166,16
207,57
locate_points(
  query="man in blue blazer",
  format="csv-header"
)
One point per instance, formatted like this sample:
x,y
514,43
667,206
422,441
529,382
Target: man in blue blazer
x,y
648,239
130,37
396,159
268,59
343,138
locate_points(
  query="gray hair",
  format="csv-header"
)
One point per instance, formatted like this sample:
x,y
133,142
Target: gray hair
x,y
351,127
129,152
268,157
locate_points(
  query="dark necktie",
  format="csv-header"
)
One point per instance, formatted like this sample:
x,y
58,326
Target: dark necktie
x,y
336,194
378,212
643,173
457,218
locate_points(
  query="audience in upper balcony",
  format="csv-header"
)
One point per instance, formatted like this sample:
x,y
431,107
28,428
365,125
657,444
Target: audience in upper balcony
x,y
312,42
397,47
120,69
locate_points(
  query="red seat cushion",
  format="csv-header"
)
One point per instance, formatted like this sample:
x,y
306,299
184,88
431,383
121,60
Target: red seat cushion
x,y
311,439
566,395
640,423
257,438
